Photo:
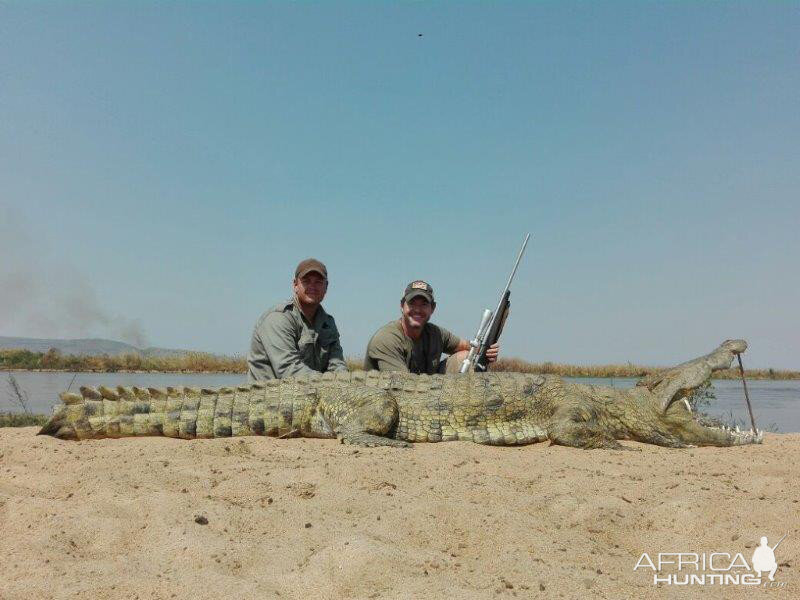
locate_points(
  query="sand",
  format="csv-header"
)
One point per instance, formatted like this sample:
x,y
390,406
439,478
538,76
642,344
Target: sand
x,y
316,519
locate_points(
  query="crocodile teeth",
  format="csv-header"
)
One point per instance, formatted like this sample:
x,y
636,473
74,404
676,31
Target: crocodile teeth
x,y
749,437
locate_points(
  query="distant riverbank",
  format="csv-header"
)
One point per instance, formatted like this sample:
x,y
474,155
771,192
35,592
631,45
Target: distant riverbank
x,y
197,362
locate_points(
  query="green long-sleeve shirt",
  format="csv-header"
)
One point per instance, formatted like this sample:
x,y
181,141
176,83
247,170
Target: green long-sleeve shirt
x,y
285,344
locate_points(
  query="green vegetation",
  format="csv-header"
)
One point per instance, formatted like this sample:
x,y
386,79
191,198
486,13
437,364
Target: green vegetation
x,y
53,360
701,398
21,420
198,362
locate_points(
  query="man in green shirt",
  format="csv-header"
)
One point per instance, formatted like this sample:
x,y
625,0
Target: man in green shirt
x,y
412,344
297,336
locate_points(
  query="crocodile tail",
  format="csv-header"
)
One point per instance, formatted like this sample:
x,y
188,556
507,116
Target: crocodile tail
x,y
131,411
104,412
55,425
61,423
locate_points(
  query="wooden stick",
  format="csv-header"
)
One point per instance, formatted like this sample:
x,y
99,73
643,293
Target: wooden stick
x,y
746,395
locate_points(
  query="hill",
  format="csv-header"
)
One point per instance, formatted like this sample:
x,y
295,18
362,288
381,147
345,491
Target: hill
x,y
85,347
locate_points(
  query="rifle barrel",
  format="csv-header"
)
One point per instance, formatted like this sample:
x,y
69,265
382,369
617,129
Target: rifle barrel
x,y
516,264
510,279
779,541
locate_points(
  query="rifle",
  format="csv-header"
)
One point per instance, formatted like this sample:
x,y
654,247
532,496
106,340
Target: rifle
x,y
491,324
779,541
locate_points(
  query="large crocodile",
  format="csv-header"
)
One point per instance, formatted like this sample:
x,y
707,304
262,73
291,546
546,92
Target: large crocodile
x,y
392,409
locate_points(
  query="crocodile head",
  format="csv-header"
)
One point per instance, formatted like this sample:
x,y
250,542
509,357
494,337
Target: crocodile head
x,y
669,413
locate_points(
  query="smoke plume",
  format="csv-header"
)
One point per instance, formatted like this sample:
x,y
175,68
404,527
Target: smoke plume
x,y
45,296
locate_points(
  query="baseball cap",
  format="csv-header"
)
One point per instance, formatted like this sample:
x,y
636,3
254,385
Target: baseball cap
x,y
307,266
418,288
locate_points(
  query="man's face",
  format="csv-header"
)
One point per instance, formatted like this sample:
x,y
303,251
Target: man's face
x,y
310,288
416,312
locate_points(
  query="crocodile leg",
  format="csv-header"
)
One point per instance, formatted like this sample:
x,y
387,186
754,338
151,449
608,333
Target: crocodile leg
x,y
582,435
660,438
362,416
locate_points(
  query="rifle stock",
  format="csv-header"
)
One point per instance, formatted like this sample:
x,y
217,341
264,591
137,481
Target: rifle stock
x,y
481,364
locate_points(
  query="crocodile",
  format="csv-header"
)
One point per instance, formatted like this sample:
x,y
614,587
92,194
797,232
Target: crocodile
x,y
396,409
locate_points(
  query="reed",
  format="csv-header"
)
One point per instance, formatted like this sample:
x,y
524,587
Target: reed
x,y
626,370
19,397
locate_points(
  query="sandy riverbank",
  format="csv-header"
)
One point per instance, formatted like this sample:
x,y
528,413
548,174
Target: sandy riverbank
x,y
312,518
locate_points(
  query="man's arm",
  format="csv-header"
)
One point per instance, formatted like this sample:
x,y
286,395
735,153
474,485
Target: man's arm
x,y
386,354
277,336
257,367
336,356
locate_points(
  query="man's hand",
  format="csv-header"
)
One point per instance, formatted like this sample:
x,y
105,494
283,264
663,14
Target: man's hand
x,y
491,352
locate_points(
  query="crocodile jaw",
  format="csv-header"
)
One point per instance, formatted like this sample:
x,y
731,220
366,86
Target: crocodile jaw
x,y
697,434
740,438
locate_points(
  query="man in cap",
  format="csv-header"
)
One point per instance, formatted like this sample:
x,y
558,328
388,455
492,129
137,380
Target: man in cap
x,y
297,336
412,344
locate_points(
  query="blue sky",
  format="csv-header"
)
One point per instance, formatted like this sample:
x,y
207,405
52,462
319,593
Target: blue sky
x,y
164,166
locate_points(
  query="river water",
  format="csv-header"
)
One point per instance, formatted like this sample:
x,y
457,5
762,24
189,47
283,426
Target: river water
x,y
776,403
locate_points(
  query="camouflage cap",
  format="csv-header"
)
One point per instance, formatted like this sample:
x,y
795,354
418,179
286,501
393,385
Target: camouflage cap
x,y
418,288
307,266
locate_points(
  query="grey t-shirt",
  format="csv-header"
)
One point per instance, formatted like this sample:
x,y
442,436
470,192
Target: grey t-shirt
x,y
285,344
392,350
